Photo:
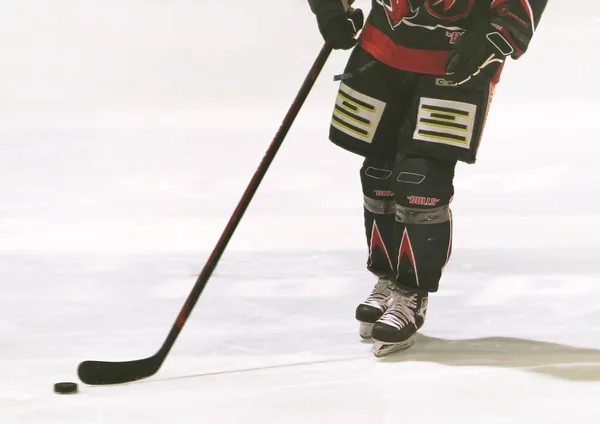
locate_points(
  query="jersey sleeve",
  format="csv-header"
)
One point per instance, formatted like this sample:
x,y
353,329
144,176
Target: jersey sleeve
x,y
518,21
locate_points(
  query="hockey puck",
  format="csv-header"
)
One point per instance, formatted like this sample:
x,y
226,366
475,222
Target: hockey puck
x,y
65,388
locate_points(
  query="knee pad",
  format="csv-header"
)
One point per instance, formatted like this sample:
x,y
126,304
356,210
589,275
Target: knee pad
x,y
423,189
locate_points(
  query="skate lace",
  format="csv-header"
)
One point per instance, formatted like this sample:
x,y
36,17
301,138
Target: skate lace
x,y
401,311
380,293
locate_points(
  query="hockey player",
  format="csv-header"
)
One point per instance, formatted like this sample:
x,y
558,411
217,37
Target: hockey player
x,y
413,101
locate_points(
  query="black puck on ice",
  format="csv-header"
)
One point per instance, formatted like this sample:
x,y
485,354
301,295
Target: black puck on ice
x,y
65,388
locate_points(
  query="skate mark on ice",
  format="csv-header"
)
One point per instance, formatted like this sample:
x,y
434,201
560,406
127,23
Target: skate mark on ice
x,y
258,368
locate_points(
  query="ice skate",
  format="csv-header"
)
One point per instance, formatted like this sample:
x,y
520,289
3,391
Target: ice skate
x,y
369,311
396,330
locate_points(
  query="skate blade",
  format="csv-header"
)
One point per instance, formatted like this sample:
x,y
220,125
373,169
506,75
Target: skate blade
x,y
381,349
365,330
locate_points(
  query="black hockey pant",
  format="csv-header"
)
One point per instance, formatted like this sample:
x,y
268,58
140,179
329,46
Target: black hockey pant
x,y
412,130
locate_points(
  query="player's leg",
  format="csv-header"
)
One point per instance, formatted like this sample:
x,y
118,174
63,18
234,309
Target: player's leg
x,y
368,111
422,246
444,126
379,212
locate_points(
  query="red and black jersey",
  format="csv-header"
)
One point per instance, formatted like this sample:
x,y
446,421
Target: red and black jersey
x,y
416,35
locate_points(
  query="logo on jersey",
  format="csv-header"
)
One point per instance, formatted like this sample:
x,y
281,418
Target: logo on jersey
x,y
454,36
397,10
447,4
449,10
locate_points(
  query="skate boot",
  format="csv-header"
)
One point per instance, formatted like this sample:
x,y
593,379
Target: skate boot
x,y
397,328
369,311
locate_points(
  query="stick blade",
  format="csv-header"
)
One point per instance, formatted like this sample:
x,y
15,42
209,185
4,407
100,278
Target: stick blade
x,y
102,372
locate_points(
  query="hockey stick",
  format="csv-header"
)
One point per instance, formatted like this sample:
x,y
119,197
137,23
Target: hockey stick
x,y
102,372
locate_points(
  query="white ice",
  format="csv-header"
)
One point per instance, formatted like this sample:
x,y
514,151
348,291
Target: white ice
x,y
129,130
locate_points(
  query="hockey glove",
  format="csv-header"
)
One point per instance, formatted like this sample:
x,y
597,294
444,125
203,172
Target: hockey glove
x,y
477,56
339,27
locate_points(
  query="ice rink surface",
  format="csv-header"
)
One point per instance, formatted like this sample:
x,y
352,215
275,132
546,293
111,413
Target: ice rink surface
x,y
130,129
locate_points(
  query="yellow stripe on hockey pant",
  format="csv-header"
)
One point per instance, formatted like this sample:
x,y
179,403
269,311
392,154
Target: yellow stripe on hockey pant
x,y
445,119
340,123
444,126
362,124
345,97
438,137
458,115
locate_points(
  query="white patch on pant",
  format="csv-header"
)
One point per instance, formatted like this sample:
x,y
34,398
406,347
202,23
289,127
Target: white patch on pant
x,y
446,122
357,114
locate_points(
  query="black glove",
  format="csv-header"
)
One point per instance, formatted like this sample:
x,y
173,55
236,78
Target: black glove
x,y
476,57
339,27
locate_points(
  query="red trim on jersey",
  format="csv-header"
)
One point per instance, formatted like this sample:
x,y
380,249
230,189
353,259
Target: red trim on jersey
x,y
506,33
447,6
383,48
526,7
529,10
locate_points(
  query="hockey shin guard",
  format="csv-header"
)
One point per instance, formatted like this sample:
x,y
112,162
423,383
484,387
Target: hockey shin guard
x,y
379,211
423,224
